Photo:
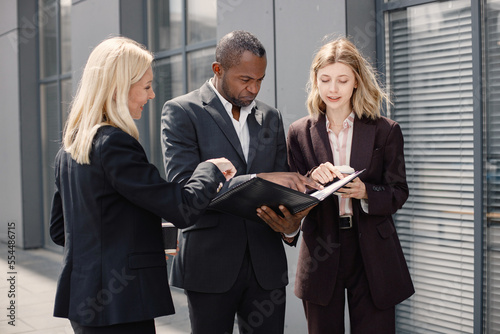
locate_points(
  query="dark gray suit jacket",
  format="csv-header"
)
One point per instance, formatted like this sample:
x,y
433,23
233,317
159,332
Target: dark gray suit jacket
x,y
196,127
107,217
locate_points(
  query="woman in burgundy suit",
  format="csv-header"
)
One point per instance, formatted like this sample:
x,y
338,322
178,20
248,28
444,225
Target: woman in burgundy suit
x,y
349,240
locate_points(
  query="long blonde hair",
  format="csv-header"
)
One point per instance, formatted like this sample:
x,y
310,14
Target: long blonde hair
x,y
102,96
366,99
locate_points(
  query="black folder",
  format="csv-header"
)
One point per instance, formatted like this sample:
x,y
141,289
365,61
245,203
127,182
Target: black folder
x,y
244,199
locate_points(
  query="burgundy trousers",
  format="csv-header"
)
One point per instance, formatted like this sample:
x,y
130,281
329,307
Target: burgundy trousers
x,y
364,316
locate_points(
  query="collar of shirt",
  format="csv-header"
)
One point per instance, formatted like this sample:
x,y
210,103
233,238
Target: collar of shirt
x,y
244,111
348,122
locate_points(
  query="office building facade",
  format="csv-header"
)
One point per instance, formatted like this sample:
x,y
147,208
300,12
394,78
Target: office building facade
x,y
439,59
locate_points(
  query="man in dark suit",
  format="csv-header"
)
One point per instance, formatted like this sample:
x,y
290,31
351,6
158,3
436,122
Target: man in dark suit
x,y
228,265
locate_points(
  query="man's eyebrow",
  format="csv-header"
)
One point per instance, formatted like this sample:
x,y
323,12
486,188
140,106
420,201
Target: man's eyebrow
x,y
244,76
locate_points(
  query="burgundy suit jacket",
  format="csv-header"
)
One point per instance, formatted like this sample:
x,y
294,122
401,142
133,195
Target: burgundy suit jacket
x,y
377,145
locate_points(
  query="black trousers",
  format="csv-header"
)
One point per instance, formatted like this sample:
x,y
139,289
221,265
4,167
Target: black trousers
x,y
365,317
141,327
259,311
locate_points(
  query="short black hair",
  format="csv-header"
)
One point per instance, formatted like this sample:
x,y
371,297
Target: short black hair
x,y
230,48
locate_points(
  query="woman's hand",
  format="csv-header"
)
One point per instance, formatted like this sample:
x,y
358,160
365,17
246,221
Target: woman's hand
x,y
326,172
354,189
225,166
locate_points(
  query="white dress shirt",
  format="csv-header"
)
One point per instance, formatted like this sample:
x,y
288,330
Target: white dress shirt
x,y
240,126
341,148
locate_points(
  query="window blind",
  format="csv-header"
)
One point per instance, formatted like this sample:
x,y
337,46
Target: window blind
x,y
429,52
492,237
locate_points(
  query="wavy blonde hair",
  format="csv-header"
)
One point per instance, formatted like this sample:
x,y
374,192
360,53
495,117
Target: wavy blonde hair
x,y
366,99
102,96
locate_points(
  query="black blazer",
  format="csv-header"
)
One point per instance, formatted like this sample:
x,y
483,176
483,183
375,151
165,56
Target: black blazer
x,y
107,217
377,145
196,127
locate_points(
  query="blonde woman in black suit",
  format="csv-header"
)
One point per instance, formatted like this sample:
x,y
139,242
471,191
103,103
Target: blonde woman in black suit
x,y
109,200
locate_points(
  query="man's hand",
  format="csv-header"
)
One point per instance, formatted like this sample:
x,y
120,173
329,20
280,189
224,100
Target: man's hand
x,y
291,180
287,224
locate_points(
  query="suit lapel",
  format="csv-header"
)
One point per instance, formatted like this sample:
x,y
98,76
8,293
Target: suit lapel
x,y
363,137
322,148
320,141
214,107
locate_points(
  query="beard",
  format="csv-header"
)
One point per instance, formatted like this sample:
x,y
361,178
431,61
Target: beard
x,y
233,99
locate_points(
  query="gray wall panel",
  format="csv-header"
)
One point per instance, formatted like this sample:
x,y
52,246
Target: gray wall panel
x,y
32,200
10,145
9,16
256,17
361,27
300,29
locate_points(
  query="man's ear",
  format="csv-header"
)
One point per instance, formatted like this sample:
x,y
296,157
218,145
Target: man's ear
x,y
217,69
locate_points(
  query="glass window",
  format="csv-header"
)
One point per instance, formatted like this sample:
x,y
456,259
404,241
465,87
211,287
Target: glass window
x,y
48,37
201,20
55,88
165,24
51,136
182,33
168,83
66,98
429,62
65,29
492,164
168,78
199,65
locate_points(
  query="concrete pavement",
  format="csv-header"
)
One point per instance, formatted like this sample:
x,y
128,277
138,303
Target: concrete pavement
x,y
28,289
